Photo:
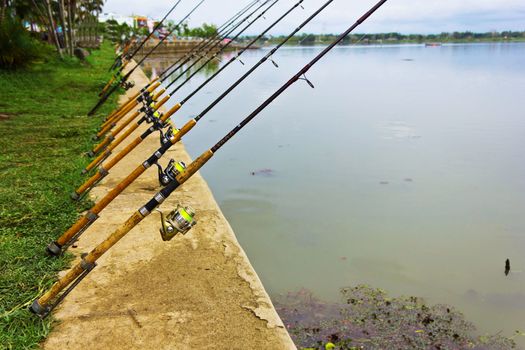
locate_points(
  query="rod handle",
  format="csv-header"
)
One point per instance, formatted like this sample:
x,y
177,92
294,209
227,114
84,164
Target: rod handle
x,y
162,102
171,112
194,166
153,87
158,94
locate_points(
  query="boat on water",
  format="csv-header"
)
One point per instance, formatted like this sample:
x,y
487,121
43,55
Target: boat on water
x,y
433,44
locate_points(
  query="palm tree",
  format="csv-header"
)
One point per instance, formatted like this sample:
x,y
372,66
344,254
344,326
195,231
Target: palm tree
x,y
50,13
2,10
53,29
63,23
71,12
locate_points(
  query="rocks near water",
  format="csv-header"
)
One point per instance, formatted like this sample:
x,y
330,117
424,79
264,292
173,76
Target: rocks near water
x,y
81,53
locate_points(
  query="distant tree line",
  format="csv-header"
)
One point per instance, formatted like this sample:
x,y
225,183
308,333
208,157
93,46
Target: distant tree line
x,y
204,31
312,39
121,32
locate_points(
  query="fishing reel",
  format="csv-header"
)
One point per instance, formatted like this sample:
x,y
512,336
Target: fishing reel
x,y
145,97
173,169
148,109
157,124
152,116
127,84
180,220
168,134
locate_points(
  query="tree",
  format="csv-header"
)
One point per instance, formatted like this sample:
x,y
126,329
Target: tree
x,y
62,18
119,32
204,31
53,28
52,15
171,26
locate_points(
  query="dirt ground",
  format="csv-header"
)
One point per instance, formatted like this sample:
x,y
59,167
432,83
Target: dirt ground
x,y
197,291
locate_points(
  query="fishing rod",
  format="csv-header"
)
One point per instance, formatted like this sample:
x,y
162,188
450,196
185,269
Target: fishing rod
x,y
43,305
112,122
113,117
121,111
127,75
167,140
128,57
217,53
219,34
104,169
228,22
122,50
118,75
103,144
109,143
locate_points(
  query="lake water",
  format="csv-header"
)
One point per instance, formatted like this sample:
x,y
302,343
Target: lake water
x,y
403,169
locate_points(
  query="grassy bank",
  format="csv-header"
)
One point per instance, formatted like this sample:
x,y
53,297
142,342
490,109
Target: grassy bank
x,y
45,132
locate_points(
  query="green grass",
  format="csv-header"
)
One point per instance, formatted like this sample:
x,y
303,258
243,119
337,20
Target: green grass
x,y
44,133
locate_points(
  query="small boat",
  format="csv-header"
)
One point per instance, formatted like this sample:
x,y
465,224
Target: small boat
x,y
432,44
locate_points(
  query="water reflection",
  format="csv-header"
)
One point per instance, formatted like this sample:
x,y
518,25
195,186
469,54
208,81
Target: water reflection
x,y
154,67
405,175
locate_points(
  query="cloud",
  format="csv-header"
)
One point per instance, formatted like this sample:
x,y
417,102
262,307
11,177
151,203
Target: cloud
x,y
423,16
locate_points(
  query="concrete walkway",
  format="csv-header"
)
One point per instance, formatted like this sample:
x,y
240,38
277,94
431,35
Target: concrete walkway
x,y
197,291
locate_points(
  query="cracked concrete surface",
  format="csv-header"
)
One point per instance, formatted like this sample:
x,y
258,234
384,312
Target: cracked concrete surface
x,y
197,291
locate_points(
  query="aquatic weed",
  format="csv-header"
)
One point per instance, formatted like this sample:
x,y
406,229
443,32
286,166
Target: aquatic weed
x,y
368,319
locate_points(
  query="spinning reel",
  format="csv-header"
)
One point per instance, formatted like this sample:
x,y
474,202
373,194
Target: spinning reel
x,y
177,221
170,173
127,84
149,107
146,97
152,116
168,134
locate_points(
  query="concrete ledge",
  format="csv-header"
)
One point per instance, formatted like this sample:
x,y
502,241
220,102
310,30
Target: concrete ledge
x,y
195,292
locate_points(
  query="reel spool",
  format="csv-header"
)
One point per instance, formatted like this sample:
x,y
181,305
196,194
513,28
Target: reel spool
x,y
170,173
177,221
167,134
153,117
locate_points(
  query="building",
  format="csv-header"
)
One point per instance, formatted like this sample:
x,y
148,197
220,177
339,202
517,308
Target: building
x,y
129,20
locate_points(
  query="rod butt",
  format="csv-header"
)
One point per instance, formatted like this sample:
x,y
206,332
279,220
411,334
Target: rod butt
x,y
54,249
75,196
39,310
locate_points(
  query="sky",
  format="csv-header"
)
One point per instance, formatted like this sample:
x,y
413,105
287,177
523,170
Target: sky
x,y
404,16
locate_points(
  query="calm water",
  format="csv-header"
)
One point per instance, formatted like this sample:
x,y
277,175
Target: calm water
x,y
403,169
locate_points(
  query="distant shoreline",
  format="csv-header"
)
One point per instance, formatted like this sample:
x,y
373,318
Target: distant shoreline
x,y
396,38
397,42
